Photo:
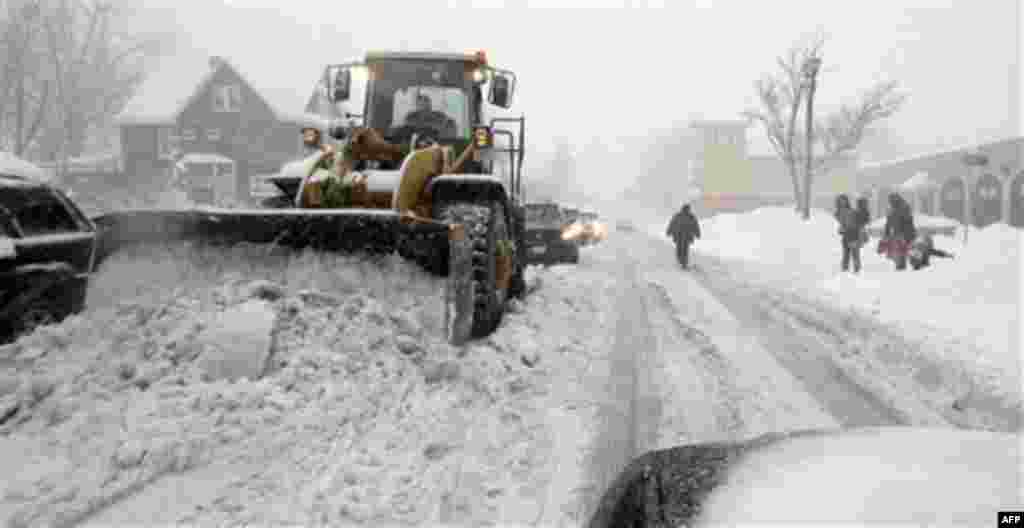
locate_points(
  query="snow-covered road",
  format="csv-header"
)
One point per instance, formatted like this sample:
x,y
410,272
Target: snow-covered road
x,y
864,371
619,355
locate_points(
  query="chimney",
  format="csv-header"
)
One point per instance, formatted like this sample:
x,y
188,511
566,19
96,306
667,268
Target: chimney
x,y
215,63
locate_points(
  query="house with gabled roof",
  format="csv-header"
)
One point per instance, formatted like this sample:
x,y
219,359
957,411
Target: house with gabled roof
x,y
212,119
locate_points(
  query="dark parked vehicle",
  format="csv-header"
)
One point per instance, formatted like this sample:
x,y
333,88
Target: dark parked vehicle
x,y
47,253
547,239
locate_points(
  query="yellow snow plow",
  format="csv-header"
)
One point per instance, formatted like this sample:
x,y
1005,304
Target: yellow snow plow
x,y
418,177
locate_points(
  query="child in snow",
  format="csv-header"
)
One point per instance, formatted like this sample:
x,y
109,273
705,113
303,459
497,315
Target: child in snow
x,y
922,250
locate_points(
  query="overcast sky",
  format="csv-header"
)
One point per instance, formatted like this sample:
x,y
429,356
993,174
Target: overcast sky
x,y
619,69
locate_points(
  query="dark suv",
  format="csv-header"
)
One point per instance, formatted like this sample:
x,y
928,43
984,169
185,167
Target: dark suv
x,y
47,253
547,238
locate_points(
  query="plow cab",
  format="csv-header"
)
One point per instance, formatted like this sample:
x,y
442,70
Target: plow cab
x,y
420,169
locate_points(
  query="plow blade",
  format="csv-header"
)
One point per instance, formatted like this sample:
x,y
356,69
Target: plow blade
x,y
436,247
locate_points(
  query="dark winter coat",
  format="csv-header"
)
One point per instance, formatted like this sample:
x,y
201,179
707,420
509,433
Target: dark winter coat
x,y
863,217
852,223
849,226
900,223
683,227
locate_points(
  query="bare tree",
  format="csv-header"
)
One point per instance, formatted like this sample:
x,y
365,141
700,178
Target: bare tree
x,y
781,97
95,71
25,88
842,132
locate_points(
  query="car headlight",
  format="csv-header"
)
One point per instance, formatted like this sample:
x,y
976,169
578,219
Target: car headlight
x,y
572,232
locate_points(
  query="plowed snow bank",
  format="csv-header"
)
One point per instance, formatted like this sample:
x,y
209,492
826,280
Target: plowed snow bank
x,y
99,406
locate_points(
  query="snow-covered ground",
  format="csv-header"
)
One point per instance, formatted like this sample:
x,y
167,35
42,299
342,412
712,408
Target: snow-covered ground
x,y
365,416
105,403
968,306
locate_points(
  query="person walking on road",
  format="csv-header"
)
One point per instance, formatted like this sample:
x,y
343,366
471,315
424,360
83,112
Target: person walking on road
x,y
683,230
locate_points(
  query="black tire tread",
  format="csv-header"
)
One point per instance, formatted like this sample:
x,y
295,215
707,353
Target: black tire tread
x,y
488,308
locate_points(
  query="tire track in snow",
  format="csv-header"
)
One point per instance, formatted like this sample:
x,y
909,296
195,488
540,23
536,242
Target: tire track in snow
x,y
811,346
713,371
628,425
881,349
625,429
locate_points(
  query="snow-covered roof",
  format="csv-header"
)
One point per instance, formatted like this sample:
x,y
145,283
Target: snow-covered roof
x,y
14,166
947,150
204,157
177,81
304,119
918,180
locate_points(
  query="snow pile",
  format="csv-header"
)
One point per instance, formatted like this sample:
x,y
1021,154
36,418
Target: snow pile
x,y
769,235
357,417
974,296
972,299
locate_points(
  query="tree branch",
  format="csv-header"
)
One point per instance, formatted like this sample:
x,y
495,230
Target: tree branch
x,y
33,130
781,97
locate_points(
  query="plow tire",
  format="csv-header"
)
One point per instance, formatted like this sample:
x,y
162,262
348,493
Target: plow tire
x,y
517,290
485,224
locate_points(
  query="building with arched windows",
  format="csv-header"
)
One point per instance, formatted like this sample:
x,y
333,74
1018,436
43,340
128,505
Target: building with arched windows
x,y
981,194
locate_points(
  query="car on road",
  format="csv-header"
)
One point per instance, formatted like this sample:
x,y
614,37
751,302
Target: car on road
x,y
48,250
594,230
548,238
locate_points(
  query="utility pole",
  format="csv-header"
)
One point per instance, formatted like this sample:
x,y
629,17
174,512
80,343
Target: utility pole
x,y
811,67
973,159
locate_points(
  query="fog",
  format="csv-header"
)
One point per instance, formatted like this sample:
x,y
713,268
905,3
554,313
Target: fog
x,y
612,77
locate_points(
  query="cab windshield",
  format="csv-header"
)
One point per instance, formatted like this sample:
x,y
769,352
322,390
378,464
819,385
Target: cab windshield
x,y
420,96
